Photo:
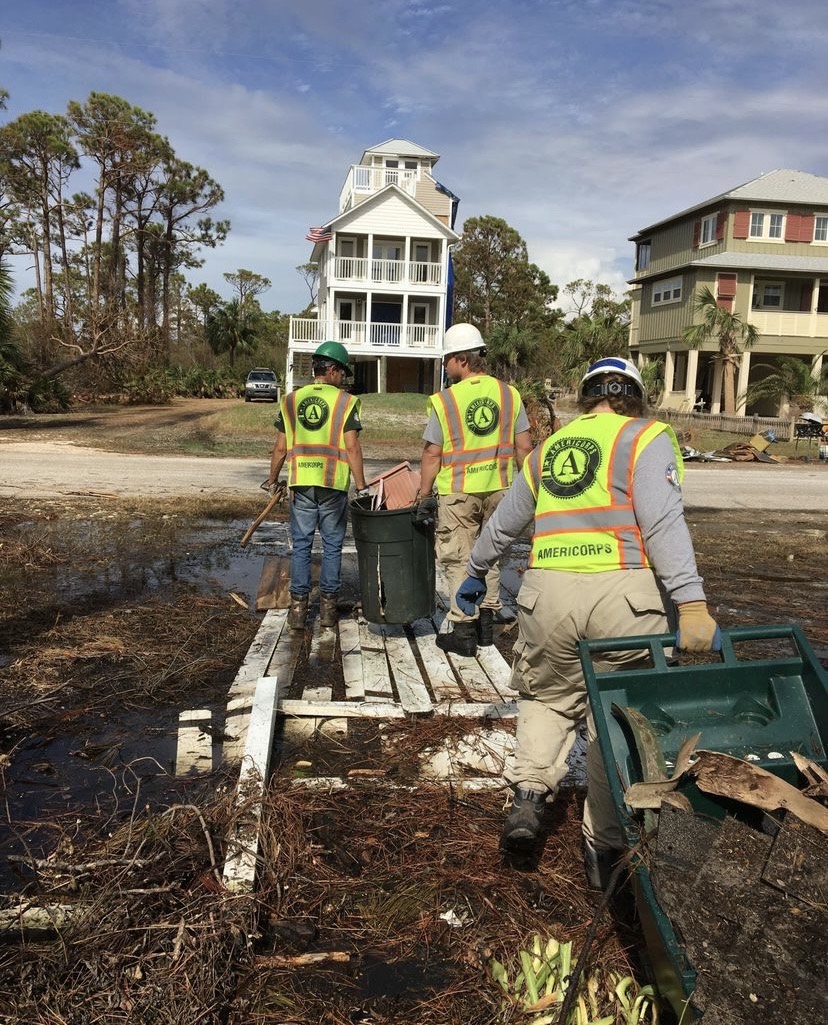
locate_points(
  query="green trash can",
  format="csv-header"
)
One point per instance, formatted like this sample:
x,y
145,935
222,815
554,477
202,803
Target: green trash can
x,y
396,563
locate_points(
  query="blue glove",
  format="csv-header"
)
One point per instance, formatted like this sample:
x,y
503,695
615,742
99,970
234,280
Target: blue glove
x,y
470,594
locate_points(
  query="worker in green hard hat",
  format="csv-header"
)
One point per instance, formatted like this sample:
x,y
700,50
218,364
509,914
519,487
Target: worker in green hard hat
x,y
317,434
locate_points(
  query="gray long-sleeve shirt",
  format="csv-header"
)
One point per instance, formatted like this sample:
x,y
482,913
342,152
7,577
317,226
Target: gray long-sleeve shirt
x,y
659,511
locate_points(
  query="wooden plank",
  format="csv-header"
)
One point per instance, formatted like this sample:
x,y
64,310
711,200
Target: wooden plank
x,y
281,666
441,678
475,682
497,669
347,709
351,659
323,645
273,591
239,874
412,692
478,710
259,653
375,674
194,750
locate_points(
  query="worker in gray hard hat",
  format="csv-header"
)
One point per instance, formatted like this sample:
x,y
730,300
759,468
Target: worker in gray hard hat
x,y
611,554
477,434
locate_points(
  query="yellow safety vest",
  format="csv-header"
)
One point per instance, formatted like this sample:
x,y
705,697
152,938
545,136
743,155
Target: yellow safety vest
x,y
314,419
582,478
477,416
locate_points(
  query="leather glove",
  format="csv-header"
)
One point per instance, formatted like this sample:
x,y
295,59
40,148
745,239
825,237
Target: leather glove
x,y
363,492
697,629
470,594
425,511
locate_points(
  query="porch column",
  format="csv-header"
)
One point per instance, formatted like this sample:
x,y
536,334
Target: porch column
x,y
716,397
692,372
816,366
669,372
382,374
404,342
742,383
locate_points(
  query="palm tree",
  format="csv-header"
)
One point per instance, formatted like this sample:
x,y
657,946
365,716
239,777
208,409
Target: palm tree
x,y
789,380
231,328
13,364
732,334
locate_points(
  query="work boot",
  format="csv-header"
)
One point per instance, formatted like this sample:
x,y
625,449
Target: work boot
x,y
328,614
485,628
461,641
298,612
599,864
523,823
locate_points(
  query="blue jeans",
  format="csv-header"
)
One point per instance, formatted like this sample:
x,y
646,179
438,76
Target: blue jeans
x,y
312,507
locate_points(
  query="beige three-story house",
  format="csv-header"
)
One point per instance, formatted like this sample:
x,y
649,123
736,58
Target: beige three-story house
x,y
762,250
383,274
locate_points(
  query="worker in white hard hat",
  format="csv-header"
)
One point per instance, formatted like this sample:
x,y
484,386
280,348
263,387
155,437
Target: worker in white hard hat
x,y
611,555
477,434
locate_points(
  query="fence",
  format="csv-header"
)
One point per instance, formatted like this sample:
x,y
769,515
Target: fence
x,y
750,425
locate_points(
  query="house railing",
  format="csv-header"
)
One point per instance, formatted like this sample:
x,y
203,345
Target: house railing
x,y
352,268
789,322
367,180
361,337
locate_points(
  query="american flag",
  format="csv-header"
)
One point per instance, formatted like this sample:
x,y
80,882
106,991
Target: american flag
x,y
322,234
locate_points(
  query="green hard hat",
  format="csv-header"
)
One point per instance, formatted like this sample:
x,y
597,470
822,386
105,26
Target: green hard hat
x,y
335,351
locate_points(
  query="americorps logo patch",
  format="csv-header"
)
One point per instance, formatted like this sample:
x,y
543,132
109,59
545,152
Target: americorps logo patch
x,y
672,475
313,413
569,466
482,416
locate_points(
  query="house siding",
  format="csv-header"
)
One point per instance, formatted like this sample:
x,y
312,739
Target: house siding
x,y
391,219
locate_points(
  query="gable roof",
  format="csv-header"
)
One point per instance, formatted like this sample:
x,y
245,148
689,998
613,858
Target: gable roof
x,y
341,220
400,148
353,212
781,186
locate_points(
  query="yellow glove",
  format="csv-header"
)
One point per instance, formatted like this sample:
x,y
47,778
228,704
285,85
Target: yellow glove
x,y
697,629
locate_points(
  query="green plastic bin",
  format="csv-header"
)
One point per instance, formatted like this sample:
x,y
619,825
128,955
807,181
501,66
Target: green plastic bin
x,y
745,707
396,564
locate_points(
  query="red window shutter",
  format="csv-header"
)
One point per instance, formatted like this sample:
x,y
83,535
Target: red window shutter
x,y
741,224
726,286
696,234
792,227
721,224
806,228
725,303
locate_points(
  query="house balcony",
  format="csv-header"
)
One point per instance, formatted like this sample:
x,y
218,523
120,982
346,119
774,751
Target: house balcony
x,y
363,181
789,323
349,270
367,339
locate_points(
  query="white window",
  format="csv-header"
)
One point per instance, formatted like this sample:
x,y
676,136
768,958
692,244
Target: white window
x,y
708,229
821,228
768,295
642,255
666,291
768,225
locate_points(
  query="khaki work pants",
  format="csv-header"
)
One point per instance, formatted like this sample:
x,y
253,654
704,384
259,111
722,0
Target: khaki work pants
x,y
555,611
460,519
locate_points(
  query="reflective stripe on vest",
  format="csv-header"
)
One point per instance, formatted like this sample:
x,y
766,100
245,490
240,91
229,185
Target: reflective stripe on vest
x,y
318,457
582,478
470,462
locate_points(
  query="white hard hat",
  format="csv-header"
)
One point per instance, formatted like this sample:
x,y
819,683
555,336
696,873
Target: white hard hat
x,y
462,338
611,365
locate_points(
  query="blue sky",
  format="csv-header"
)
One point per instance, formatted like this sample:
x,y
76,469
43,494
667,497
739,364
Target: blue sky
x,y
577,121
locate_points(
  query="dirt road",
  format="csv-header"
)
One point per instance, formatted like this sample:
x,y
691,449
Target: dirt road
x,y
39,468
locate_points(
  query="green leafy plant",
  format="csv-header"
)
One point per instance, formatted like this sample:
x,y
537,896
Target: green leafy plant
x,y
542,979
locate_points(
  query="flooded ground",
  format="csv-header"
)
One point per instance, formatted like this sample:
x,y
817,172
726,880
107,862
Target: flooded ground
x,y
115,617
